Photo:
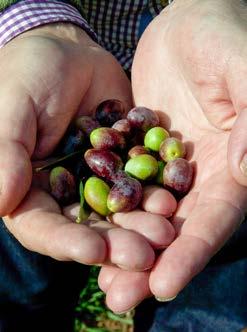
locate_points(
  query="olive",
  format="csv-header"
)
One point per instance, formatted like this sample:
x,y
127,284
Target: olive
x,y
154,137
107,138
125,195
63,185
142,167
171,148
96,192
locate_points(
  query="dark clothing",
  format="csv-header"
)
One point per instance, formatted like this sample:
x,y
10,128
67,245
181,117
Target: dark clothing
x,y
37,293
214,301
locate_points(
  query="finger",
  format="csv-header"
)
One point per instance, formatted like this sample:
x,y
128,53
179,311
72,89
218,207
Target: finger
x,y
158,200
237,149
109,74
185,206
17,141
154,227
72,211
127,290
39,226
105,277
126,249
203,233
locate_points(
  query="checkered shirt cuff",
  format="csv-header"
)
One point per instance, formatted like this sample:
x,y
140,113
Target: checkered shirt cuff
x,y
28,14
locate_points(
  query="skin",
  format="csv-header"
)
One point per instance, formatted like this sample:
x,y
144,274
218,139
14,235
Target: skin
x,y
48,76
187,67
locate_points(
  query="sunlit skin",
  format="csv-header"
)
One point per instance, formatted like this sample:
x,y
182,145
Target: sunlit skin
x,y
188,68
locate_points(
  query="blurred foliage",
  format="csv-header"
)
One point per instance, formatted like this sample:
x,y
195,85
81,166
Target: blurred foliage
x,y
92,315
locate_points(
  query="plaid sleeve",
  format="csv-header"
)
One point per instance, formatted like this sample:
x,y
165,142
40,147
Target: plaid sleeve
x,y
27,14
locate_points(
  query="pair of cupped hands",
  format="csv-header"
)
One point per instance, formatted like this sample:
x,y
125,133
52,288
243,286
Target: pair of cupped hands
x,y
190,66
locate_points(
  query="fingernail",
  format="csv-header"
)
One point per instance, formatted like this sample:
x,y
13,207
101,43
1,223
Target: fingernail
x,y
122,312
123,267
136,269
126,311
243,165
95,264
165,299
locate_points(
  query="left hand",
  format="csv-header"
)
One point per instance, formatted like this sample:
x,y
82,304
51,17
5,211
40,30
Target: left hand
x,y
47,98
187,67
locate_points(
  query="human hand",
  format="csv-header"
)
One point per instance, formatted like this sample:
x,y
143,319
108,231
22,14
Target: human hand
x,y
187,67
48,76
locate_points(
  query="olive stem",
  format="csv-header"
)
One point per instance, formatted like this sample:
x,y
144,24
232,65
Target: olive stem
x,y
56,161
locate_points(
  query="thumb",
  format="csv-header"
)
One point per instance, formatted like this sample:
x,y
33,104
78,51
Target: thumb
x,y
17,141
237,149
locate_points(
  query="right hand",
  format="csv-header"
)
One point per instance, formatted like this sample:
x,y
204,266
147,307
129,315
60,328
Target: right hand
x,y
188,67
48,76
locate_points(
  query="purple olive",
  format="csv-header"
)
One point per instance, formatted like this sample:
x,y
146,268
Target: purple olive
x,y
125,195
63,186
107,138
178,175
109,111
103,162
87,124
142,118
72,141
123,126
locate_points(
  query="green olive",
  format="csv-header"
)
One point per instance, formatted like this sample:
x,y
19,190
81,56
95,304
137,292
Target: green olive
x,y
96,192
154,137
142,167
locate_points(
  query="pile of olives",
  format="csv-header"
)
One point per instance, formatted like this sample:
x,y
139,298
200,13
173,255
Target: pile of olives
x,y
104,161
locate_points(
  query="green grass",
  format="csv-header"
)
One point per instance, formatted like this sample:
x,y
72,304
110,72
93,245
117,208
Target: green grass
x,y
92,315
